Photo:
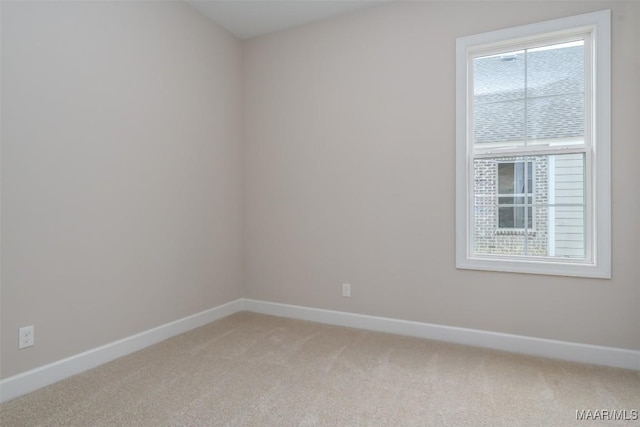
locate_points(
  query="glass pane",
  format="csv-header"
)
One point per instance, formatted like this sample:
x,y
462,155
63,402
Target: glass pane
x,y
489,240
536,237
518,213
484,178
499,99
568,179
511,177
564,231
554,212
506,218
555,117
555,69
499,124
519,178
506,174
555,94
513,217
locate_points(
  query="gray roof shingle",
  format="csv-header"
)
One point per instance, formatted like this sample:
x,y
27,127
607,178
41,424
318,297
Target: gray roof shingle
x,y
554,95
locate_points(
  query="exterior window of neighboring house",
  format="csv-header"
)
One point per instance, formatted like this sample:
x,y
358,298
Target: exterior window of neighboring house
x,y
533,148
515,195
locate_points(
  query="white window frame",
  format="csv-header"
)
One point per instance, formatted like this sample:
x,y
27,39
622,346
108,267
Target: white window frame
x,y
597,146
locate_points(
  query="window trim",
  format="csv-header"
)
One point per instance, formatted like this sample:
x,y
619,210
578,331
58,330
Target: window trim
x,y
598,262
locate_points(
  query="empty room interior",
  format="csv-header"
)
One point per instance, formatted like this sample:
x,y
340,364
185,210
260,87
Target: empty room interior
x,y
320,213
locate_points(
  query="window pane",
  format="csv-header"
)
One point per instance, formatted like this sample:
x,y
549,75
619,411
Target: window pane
x,y
566,231
518,214
506,174
499,124
513,217
501,243
555,69
506,217
555,117
552,210
511,177
539,92
568,175
499,99
555,93
489,240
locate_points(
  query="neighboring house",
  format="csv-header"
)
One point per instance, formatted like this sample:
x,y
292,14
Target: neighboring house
x,y
540,197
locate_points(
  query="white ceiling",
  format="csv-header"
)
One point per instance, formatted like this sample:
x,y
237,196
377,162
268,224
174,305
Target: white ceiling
x,y
251,18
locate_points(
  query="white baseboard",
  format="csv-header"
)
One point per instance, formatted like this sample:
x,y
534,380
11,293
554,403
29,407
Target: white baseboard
x,y
34,379
574,352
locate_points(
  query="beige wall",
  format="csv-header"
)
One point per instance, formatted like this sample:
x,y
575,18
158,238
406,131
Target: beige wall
x,y
349,175
120,172
122,167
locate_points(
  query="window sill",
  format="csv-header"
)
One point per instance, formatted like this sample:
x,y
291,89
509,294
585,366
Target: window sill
x,y
546,266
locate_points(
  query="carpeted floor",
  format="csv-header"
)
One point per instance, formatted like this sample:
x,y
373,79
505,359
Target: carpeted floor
x,y
254,370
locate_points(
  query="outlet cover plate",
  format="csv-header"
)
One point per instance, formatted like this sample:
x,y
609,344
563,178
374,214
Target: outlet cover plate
x,y
346,290
26,337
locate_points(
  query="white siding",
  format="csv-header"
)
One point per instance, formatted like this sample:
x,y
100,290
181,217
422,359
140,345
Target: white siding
x,y
569,220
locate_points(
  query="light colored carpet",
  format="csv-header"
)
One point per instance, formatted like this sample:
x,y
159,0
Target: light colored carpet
x,y
255,370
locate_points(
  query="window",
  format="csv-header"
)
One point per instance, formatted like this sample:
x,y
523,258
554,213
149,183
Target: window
x,y
533,148
515,195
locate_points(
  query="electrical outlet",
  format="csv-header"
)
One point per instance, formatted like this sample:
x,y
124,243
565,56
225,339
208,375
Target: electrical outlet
x,y
346,290
26,336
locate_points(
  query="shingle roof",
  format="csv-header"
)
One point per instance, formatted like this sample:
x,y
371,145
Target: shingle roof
x,y
555,95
